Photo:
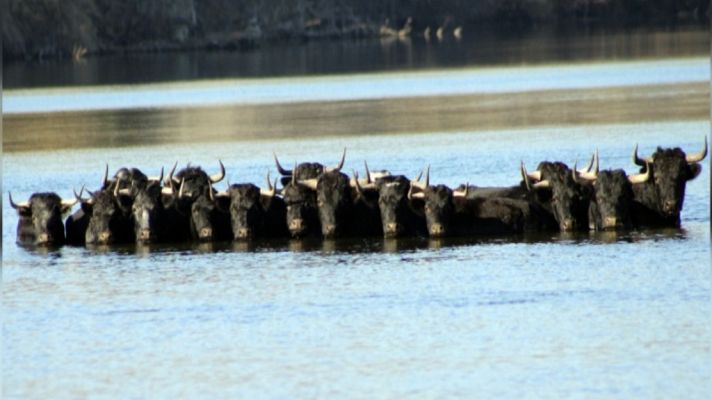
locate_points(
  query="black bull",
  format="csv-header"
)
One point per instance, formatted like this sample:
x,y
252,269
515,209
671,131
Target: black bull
x,y
400,216
40,219
612,200
659,200
343,209
256,213
450,213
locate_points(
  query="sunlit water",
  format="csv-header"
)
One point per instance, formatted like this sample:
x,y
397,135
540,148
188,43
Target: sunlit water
x,y
625,315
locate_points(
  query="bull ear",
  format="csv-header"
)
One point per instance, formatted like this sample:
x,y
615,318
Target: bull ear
x,y
695,169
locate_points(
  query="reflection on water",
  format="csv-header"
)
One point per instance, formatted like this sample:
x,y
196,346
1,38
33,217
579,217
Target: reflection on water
x,y
367,245
544,45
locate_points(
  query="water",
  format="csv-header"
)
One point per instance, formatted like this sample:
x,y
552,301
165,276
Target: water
x,y
360,87
625,315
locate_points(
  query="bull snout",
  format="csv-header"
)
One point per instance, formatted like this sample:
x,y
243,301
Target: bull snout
x,y
329,231
437,230
104,237
567,225
392,230
296,225
610,223
205,234
44,238
243,233
144,235
670,207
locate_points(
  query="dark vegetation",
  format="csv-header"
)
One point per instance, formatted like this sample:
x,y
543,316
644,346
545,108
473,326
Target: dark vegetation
x,y
36,29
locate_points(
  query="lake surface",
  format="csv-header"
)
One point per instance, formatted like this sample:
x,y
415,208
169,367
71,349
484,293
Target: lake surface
x,y
625,315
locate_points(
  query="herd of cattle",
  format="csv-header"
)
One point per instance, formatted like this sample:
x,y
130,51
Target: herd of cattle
x,y
320,201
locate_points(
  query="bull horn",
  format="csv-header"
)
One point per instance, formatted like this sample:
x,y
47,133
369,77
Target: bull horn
x,y
159,179
542,184
357,185
590,164
168,190
282,171
338,167
116,190
420,195
310,183
463,194
697,157
294,177
640,178
536,175
427,177
68,204
170,180
271,190
15,205
589,176
637,160
210,191
105,180
180,190
368,173
525,176
124,192
416,181
220,175
575,172
79,195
